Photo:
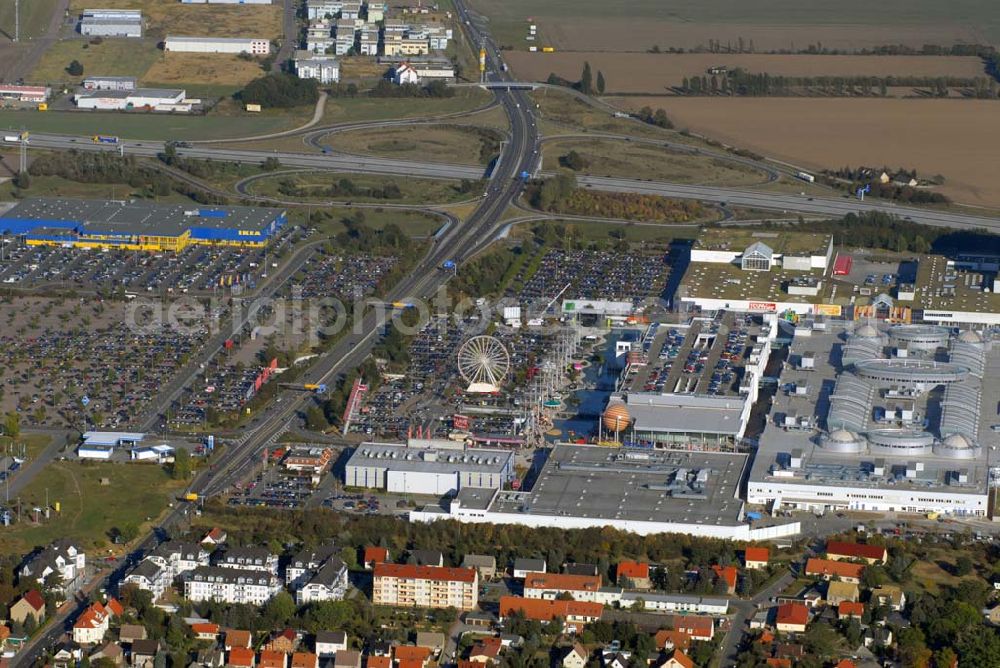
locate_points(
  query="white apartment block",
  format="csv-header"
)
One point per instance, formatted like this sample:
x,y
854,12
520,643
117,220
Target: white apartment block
x,y
231,585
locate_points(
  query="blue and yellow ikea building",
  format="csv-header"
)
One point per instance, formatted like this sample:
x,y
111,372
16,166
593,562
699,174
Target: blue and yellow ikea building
x,y
138,225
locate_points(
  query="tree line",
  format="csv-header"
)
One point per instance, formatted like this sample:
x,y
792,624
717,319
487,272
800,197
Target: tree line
x,y
739,82
280,91
586,84
560,194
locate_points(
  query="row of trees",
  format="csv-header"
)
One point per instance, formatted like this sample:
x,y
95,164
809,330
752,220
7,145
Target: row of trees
x,y
281,91
585,84
343,187
762,84
436,89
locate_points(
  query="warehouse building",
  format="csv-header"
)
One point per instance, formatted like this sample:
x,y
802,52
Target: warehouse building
x,y
24,93
154,99
432,471
109,83
324,69
253,45
226,2
136,225
111,23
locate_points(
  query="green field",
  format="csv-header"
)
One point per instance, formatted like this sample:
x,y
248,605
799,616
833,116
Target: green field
x,y
362,108
415,223
314,185
150,126
112,57
33,444
453,144
35,15
136,494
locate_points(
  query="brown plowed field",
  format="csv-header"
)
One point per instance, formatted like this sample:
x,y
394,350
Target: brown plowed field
x,y
954,138
655,73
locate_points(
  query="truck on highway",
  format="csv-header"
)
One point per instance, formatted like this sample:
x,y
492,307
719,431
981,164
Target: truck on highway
x,y
190,496
13,139
806,176
318,388
104,139
548,49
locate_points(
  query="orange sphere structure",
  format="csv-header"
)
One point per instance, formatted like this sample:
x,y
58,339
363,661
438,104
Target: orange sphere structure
x,y
616,417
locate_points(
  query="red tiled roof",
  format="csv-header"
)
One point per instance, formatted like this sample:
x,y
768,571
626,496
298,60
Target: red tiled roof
x,y
848,608
238,638
665,638
682,658
412,572
34,598
829,567
562,582
779,663
240,656
410,663
766,637
545,610
696,626
488,647
205,627
855,550
376,554
114,607
411,653
792,613
756,554
632,569
304,660
270,658
845,663
379,662
727,573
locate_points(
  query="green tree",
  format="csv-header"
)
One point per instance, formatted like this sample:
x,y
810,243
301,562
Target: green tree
x,y
586,79
75,68
600,82
128,531
280,609
12,424
963,565
271,164
181,468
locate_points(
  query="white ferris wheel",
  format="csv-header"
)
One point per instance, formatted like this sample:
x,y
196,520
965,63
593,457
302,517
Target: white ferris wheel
x,y
484,363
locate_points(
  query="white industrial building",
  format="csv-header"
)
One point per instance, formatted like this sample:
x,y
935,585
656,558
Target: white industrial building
x,y
255,46
156,99
109,83
226,2
111,23
324,69
432,471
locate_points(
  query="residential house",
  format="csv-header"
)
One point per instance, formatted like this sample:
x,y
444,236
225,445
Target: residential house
x,y
828,569
205,631
848,609
231,585
328,643
270,658
486,650
213,657
347,658
94,622
408,585
304,660
374,555
249,559
575,614
872,554
241,657
317,575
792,618
411,655
889,595
678,659
550,585
755,558
655,602
575,657
325,69
61,560
283,641
697,627
727,574
633,575
669,639
178,558
616,660
486,564
425,558
129,633
837,592
66,655
238,638
31,604
143,653
524,566
214,537
378,661
877,636
434,640
111,651
573,568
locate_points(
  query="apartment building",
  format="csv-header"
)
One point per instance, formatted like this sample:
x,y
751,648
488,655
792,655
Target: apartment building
x,y
405,585
231,585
